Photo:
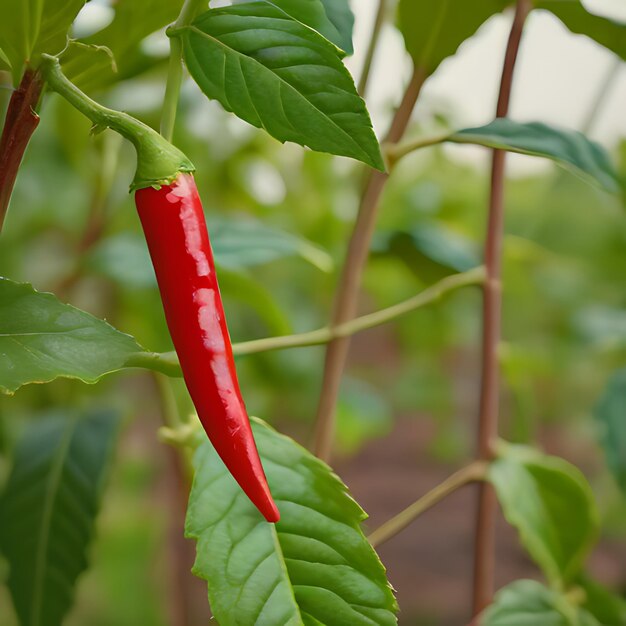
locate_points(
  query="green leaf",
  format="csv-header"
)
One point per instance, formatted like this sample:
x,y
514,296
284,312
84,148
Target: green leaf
x,y
277,74
30,27
341,16
577,19
430,250
607,607
248,243
48,508
433,31
529,603
611,414
42,339
569,149
551,504
313,14
314,567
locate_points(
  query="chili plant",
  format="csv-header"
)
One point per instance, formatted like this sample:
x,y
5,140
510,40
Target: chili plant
x,y
279,539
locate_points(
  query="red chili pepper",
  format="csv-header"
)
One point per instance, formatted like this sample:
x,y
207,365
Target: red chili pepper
x,y
175,229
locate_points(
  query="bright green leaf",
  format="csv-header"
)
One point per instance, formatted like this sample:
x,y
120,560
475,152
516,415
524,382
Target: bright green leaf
x,y
611,413
341,16
314,567
572,13
30,27
569,149
529,603
551,504
277,74
434,30
48,508
42,339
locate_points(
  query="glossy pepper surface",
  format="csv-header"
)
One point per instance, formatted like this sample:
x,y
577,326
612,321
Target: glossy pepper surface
x,y
175,229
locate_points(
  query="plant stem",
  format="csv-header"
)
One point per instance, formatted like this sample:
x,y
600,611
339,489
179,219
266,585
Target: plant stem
x,y
484,546
175,69
371,49
348,289
471,473
394,152
20,123
167,363
158,161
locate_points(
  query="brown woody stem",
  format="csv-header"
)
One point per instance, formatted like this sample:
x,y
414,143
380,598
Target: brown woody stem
x,y
20,123
484,546
350,281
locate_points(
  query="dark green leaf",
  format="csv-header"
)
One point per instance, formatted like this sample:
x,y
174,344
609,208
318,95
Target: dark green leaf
x,y
277,74
42,339
572,13
434,30
529,603
48,509
607,607
30,27
570,149
340,14
313,14
551,504
314,567
611,413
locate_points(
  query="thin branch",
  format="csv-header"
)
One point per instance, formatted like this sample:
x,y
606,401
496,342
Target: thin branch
x,y
373,45
20,123
348,288
167,363
484,547
394,152
474,472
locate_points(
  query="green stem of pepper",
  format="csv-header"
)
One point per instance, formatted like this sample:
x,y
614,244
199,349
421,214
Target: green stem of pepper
x,y
158,161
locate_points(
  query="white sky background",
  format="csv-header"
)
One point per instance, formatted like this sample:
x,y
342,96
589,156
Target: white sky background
x,y
558,75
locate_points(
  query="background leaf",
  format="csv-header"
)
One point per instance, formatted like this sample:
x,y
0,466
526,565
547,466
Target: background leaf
x,y
134,20
611,414
608,608
551,504
313,14
577,19
340,14
314,567
42,339
529,603
279,75
30,27
570,149
433,31
48,508
430,250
